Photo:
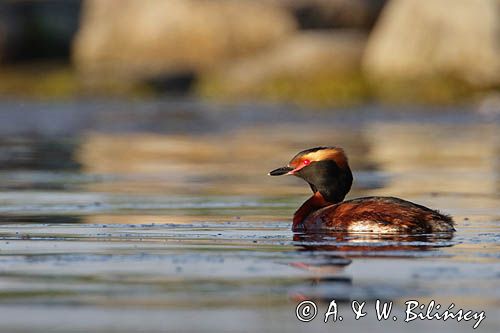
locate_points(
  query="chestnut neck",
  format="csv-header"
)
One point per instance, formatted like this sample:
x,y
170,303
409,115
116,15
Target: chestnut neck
x,y
330,184
317,201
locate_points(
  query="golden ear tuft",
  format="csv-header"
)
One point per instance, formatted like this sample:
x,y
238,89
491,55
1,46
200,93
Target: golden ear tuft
x,y
320,154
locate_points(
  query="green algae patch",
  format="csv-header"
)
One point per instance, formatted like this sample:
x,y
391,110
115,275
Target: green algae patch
x,y
54,81
326,89
38,82
318,89
441,90
310,89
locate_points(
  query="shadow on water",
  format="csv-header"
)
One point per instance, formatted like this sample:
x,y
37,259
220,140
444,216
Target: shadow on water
x,y
40,219
38,154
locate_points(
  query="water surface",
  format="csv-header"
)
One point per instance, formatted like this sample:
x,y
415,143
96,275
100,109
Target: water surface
x,y
165,220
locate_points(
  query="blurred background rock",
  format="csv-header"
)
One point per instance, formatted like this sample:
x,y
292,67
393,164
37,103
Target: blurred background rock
x,y
314,52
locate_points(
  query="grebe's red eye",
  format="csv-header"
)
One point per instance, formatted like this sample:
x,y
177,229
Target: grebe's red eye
x,y
306,162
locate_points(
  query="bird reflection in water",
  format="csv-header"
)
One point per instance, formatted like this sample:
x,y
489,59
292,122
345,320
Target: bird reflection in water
x,y
327,254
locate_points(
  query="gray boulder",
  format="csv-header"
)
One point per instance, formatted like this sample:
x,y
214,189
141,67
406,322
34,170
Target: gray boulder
x,y
141,39
299,67
417,39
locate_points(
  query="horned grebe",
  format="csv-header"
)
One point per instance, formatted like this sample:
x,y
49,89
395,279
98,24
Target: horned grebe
x,y
327,171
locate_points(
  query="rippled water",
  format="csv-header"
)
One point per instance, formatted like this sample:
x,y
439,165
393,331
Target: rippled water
x,y
155,229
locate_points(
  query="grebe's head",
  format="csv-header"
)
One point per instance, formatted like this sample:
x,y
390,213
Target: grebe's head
x,y
325,169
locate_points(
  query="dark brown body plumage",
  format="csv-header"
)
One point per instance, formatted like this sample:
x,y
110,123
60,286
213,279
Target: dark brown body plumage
x,y
378,214
327,171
